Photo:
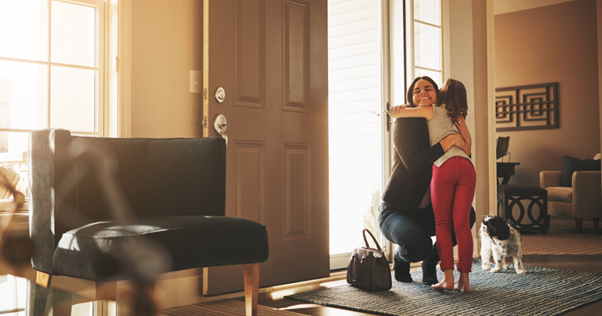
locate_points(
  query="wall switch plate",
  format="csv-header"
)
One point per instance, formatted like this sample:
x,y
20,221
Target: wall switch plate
x,y
195,81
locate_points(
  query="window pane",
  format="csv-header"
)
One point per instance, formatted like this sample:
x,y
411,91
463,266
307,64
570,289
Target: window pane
x,y
428,11
73,34
23,95
13,291
398,61
24,29
72,99
435,75
427,46
13,146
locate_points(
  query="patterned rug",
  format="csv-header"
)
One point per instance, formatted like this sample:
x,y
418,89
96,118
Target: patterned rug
x,y
539,292
562,243
221,308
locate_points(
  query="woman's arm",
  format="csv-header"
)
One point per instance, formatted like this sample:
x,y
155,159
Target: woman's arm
x,y
403,111
411,142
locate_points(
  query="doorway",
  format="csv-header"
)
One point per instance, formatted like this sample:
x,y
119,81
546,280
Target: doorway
x,y
374,47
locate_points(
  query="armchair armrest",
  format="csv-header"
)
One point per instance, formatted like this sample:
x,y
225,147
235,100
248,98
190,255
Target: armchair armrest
x,y
587,199
550,178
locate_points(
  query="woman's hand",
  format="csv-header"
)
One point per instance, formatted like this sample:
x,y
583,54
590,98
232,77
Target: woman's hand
x,y
452,140
465,133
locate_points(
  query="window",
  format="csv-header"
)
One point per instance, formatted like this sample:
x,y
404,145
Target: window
x,y
427,40
53,72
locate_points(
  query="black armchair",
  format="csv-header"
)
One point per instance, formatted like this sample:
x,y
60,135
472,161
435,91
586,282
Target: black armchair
x,y
107,209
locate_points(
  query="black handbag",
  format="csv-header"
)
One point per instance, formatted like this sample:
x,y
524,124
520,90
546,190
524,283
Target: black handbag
x,y
368,268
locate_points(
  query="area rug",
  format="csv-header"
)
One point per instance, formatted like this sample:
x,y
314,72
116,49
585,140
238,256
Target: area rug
x,y
561,243
222,308
539,292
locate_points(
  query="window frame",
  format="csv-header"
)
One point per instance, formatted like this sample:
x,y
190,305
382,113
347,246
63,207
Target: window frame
x,y
108,46
410,50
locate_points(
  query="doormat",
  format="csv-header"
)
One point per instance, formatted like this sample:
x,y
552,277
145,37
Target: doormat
x,y
541,291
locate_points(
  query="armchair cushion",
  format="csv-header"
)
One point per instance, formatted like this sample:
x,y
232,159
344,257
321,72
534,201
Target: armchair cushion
x,y
563,194
572,164
91,252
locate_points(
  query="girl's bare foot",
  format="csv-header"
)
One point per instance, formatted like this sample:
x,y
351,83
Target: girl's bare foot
x,y
463,283
448,282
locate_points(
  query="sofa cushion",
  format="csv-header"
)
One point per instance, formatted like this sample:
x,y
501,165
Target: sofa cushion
x,y
97,251
563,194
572,164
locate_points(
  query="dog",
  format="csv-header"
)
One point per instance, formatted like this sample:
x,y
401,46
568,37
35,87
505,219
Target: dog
x,y
501,238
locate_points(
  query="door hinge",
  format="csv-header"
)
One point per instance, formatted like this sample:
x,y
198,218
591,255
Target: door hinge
x,y
205,93
205,121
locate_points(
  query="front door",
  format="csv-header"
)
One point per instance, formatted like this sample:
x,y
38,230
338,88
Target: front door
x,y
270,57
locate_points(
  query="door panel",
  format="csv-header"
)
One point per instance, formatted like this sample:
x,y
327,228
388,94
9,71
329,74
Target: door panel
x,y
270,56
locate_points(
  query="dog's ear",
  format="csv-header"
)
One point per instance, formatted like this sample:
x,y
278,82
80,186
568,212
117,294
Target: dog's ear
x,y
491,227
503,230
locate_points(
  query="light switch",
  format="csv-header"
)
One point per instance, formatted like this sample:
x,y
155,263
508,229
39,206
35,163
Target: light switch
x,y
195,81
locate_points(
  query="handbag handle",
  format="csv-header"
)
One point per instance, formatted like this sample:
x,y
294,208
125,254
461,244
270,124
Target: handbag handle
x,y
373,238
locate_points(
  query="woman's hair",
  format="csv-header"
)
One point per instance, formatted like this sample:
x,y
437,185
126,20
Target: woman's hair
x,y
411,89
453,95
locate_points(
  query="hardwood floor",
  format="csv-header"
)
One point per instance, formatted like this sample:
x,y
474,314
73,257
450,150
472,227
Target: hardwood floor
x,y
585,263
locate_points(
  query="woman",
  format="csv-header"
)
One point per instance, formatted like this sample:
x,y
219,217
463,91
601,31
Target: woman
x,y
406,216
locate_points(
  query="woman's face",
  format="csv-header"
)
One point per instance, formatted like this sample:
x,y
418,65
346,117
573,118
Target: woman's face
x,y
424,93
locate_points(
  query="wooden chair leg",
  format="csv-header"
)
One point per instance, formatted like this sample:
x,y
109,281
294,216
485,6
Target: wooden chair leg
x,y
579,225
251,272
61,301
43,279
39,294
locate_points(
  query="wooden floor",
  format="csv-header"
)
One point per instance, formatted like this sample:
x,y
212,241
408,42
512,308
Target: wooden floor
x,y
591,263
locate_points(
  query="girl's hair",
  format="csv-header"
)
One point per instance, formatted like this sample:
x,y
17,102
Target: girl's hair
x,y
453,95
411,89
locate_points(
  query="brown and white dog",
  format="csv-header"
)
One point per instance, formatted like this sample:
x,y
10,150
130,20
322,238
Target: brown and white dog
x,y
499,237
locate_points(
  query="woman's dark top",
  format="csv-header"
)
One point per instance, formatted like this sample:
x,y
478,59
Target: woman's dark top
x,y
412,164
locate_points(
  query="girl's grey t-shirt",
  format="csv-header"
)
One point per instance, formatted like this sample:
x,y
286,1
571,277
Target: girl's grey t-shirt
x,y
441,126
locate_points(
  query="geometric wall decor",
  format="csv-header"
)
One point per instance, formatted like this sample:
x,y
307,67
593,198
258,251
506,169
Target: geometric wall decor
x,y
526,107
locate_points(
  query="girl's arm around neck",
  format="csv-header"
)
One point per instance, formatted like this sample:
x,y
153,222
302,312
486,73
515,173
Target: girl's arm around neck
x,y
401,111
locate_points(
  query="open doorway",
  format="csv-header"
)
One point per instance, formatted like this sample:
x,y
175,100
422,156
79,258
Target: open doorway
x,y
374,47
355,128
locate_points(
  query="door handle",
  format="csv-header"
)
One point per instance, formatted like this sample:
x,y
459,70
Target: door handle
x,y
388,117
220,124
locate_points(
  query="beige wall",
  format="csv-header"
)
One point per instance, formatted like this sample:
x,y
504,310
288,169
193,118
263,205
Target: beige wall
x,y
556,43
466,59
166,43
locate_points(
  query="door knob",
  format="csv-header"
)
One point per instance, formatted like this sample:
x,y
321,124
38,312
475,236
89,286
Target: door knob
x,y
220,124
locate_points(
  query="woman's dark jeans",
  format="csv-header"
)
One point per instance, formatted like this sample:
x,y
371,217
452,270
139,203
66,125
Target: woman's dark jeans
x,y
412,233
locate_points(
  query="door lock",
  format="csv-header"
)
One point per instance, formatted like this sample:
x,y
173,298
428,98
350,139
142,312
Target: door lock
x,y
220,94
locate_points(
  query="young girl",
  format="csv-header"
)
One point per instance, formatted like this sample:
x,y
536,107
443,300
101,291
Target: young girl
x,y
454,177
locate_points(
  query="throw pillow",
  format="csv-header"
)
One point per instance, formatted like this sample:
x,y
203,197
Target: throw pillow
x,y
575,164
